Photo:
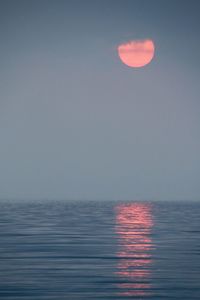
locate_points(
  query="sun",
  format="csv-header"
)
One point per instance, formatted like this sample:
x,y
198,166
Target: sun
x,y
137,53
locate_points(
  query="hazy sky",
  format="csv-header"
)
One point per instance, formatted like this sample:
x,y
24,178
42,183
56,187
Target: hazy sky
x,y
75,123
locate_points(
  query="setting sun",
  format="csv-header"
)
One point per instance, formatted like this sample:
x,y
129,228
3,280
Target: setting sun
x,y
137,53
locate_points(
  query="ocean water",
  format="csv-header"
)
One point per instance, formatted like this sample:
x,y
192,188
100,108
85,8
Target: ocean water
x,y
99,250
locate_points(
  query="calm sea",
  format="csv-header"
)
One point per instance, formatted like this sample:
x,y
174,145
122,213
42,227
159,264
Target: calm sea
x,y
99,250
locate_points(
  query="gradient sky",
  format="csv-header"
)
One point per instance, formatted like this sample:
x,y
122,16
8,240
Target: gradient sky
x,y
75,123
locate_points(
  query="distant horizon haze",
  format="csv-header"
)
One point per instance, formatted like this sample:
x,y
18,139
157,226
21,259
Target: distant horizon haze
x,y
76,123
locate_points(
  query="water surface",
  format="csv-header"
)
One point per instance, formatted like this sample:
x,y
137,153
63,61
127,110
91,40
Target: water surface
x,y
99,250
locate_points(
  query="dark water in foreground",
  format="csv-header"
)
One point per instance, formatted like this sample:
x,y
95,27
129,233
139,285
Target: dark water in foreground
x,y
91,250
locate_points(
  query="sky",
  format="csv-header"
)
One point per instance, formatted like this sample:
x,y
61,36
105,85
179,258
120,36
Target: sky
x,y
76,123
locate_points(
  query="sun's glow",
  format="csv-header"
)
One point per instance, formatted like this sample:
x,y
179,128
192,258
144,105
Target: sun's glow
x,y
136,53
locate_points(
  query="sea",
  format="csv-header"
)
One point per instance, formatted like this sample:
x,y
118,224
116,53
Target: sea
x,y
79,250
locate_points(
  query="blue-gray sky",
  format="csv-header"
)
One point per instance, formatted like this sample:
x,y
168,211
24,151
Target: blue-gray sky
x,y
75,123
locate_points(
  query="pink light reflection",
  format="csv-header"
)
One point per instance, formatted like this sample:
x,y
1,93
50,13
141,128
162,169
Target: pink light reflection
x,y
134,223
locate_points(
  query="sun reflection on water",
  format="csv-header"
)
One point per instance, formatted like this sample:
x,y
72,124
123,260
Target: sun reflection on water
x,y
134,224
